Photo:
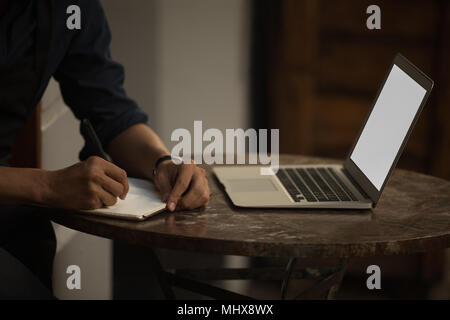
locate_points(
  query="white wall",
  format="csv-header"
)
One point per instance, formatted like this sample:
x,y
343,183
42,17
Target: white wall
x,y
203,52
184,61
133,25
61,143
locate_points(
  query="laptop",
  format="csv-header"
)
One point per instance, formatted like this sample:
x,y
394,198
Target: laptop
x,y
359,182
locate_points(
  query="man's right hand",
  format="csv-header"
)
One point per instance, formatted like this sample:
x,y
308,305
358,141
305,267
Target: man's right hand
x,y
90,184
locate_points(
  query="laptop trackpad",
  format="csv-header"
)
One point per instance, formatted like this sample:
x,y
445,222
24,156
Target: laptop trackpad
x,y
251,185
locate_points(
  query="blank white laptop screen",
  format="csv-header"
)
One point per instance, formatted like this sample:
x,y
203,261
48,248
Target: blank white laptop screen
x,y
387,126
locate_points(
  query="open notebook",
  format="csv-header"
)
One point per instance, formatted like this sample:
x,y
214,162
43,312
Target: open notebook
x,y
141,202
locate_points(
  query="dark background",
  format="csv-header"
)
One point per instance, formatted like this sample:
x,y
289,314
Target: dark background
x,y
316,70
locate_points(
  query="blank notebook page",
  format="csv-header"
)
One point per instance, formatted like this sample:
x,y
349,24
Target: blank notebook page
x,y
141,201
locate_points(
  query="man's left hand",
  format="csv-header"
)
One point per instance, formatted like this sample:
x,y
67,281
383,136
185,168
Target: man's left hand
x,y
183,186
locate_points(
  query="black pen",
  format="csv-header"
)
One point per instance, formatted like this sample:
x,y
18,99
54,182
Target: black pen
x,y
93,141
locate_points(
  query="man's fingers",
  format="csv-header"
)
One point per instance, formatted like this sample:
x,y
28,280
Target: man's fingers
x,y
184,177
107,198
198,194
119,175
112,186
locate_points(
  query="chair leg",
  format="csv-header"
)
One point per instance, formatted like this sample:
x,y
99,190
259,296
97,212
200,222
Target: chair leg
x,y
327,282
287,277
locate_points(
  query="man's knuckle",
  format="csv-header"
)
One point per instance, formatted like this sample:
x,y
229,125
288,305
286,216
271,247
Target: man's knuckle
x,y
92,173
198,191
112,201
91,189
92,203
204,197
93,160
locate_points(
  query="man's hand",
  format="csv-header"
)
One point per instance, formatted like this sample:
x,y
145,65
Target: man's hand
x,y
182,186
90,184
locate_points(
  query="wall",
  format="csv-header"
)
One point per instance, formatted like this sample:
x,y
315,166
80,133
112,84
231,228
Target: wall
x,y
185,60
61,143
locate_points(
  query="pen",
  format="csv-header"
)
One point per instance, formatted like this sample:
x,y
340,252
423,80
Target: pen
x,y
93,141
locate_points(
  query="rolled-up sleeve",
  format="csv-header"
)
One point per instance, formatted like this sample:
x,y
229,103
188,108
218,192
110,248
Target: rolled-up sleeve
x,y
92,83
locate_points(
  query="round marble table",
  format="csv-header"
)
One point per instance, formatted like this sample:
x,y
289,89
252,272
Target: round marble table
x,y
413,215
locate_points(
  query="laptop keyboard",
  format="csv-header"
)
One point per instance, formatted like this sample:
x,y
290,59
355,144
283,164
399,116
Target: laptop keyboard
x,y
314,184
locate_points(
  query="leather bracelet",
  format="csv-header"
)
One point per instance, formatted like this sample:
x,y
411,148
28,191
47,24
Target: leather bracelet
x,y
158,162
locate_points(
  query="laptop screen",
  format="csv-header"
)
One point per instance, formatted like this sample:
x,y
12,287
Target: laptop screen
x,y
387,126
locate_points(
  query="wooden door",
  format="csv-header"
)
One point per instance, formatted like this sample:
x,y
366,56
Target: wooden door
x,y
324,68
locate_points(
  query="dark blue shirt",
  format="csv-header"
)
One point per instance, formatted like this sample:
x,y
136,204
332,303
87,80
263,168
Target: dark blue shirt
x,y
91,82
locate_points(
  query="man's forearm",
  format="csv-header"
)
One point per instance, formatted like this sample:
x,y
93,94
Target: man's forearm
x,y
136,150
22,186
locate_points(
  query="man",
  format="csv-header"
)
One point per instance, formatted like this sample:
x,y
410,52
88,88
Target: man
x,y
35,44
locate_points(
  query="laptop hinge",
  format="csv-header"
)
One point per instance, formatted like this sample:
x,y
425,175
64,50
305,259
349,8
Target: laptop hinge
x,y
356,184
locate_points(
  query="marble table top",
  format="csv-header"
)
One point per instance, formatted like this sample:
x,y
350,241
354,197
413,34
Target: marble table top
x,y
413,215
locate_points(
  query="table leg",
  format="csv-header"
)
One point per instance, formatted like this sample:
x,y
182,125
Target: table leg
x,y
161,276
328,279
